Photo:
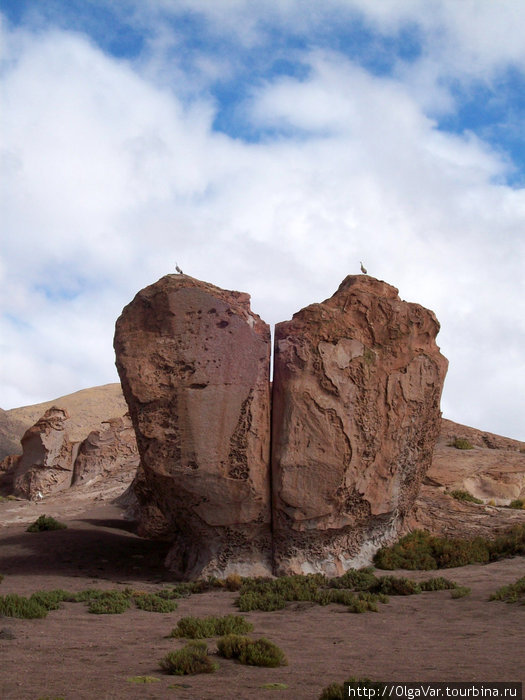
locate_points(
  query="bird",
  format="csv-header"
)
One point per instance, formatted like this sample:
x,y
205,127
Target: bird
x,y
363,269
178,269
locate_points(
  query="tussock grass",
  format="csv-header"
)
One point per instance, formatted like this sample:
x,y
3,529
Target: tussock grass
x,y
142,679
465,496
460,592
191,659
461,444
13,605
46,522
512,593
203,627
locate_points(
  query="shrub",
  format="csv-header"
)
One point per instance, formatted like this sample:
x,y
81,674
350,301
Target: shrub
x,y
392,585
460,592
518,503
421,550
262,652
109,603
1,578
154,603
191,659
199,628
437,584
465,496
461,444
253,600
45,522
259,652
336,691
13,605
356,579
232,645
512,593
50,600
233,582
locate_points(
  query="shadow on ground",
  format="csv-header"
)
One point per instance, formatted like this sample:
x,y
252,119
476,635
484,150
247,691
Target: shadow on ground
x,y
97,548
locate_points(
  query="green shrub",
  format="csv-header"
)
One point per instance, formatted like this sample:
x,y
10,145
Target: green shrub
x,y
199,628
109,603
421,550
231,645
258,652
460,495
253,600
461,444
512,593
437,584
336,691
191,659
13,605
150,602
45,522
518,504
355,579
1,578
50,600
460,592
262,652
393,585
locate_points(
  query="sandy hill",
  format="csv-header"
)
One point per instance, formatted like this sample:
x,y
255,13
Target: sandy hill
x,y
87,408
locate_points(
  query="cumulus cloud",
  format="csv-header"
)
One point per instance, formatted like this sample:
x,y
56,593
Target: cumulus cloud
x,y
113,170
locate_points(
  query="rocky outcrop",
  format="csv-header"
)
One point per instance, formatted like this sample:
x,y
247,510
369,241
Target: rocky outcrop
x,y
46,463
357,386
491,470
87,409
108,452
194,365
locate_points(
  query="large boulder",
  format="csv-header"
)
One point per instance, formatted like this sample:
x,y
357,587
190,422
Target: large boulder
x,y
194,365
46,464
356,413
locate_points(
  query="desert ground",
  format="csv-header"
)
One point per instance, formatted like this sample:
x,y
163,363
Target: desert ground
x,y
73,654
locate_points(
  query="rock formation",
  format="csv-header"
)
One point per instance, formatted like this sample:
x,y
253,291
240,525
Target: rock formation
x,y
108,452
46,463
493,472
194,366
356,392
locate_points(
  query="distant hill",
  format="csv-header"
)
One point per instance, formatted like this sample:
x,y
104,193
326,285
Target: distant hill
x,y
87,408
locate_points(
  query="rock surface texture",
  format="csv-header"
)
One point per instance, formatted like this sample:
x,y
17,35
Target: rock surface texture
x,y
110,451
194,366
356,394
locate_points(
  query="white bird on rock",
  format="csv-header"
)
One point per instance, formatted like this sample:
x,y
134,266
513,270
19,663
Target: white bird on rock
x,y
363,269
178,269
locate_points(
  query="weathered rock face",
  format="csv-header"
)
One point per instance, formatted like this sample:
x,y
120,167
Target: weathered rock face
x,y
110,451
194,366
493,471
46,464
356,392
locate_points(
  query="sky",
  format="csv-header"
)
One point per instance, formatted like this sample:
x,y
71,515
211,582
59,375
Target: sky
x,y
267,147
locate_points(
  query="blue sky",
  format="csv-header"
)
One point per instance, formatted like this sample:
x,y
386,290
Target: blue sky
x,y
267,147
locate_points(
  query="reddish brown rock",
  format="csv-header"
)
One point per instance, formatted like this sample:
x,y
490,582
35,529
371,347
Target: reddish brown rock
x,y
46,463
356,392
108,452
194,366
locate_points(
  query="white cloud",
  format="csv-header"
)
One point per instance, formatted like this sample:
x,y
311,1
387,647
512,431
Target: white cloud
x,y
111,177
